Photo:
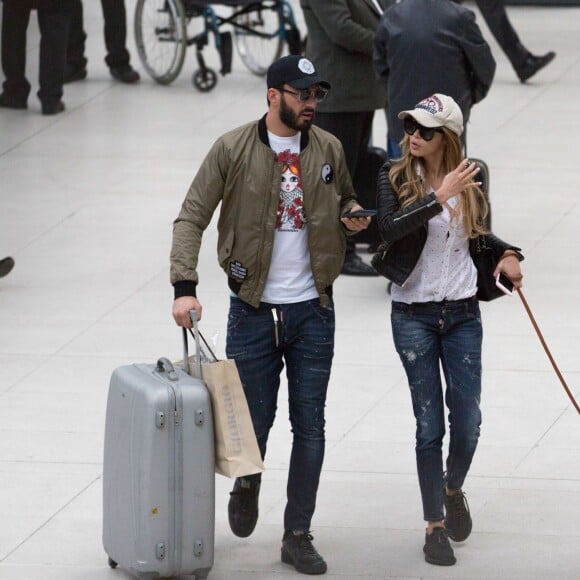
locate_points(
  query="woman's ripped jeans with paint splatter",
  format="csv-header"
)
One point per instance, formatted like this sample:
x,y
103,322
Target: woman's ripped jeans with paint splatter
x,y
431,337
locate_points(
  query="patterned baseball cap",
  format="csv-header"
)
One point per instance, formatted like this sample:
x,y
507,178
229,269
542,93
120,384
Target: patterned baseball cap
x,y
437,111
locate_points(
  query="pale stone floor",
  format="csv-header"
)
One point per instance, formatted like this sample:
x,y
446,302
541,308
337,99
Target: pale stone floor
x,y
86,205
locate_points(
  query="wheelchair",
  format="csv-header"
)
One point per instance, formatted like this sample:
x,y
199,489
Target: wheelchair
x,y
260,29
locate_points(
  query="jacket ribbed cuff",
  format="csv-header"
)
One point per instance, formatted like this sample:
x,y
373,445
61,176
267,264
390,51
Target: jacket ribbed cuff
x,y
184,288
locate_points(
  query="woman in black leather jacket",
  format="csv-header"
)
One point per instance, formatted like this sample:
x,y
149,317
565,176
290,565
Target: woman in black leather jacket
x,y
433,213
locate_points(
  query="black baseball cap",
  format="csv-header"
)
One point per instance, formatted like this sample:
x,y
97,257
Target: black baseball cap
x,y
296,71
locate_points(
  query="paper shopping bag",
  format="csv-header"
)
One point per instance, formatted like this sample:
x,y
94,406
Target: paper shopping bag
x,y
236,448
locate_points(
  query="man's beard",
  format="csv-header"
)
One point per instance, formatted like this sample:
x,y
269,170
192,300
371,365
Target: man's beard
x,y
290,118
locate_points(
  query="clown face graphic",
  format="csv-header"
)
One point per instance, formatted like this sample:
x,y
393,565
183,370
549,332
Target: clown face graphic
x,y
290,215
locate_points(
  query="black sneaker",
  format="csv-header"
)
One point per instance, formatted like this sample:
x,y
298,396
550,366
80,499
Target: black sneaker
x,y
72,74
243,506
126,74
354,266
53,108
6,266
437,548
298,551
457,518
533,64
8,101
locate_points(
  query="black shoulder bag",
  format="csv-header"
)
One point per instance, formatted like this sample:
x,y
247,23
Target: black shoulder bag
x,y
486,262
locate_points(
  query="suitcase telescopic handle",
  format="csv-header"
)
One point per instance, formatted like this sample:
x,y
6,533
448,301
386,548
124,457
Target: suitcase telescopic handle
x,y
186,367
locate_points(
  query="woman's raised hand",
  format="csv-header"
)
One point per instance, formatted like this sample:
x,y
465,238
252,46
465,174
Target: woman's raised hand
x,y
457,180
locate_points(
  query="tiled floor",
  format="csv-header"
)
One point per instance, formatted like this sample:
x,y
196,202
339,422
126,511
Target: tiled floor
x,y
86,205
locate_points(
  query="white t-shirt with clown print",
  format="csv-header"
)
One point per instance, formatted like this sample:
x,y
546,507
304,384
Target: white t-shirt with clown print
x,y
290,275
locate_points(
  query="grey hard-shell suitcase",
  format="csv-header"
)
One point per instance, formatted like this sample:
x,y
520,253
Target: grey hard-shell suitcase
x,y
158,471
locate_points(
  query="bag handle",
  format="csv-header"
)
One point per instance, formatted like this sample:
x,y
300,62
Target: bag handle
x,y
541,337
211,352
195,334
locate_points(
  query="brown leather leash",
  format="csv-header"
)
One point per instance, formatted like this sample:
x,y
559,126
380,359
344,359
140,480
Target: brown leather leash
x,y
540,336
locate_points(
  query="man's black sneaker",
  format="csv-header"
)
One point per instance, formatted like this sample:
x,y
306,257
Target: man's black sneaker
x,y
126,74
457,518
243,506
298,551
437,548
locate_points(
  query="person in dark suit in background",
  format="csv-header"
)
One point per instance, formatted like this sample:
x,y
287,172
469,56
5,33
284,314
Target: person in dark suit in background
x,y
340,41
53,21
427,46
117,58
522,60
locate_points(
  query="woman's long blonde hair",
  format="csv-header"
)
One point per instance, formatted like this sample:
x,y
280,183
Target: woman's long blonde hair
x,y
410,187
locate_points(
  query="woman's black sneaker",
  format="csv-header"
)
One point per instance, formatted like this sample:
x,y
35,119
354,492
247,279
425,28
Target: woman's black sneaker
x,y
298,551
243,506
457,518
437,548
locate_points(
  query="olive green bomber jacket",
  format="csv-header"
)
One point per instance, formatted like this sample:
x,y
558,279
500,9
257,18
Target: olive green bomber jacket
x,y
241,172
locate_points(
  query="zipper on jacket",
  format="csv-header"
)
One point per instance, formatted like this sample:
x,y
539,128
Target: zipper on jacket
x,y
414,211
261,244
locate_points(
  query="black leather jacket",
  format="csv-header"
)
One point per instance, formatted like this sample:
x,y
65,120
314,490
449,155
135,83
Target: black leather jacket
x,y
406,230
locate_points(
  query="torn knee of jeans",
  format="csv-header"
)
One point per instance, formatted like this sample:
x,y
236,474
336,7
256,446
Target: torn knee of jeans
x,y
312,427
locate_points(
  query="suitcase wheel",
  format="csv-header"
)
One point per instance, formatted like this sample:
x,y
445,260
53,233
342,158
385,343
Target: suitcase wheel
x,y
112,563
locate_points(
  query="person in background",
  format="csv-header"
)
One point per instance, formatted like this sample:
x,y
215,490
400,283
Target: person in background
x,y
117,58
427,46
525,64
53,21
340,41
433,213
282,185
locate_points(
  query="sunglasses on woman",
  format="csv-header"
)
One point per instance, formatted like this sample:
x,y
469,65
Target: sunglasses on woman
x,y
427,133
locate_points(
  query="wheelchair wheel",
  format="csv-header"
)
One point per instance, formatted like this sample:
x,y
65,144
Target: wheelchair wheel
x,y
259,36
161,38
204,80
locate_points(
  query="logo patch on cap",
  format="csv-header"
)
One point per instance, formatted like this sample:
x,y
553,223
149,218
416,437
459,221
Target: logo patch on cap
x,y
306,66
431,104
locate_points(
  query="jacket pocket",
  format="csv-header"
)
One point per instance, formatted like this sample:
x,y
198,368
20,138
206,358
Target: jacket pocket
x,y
226,247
